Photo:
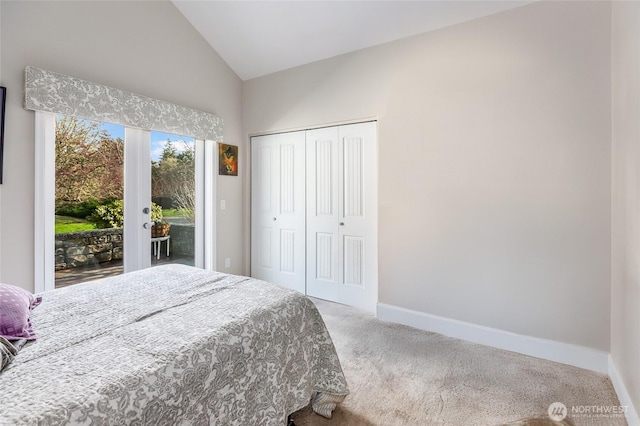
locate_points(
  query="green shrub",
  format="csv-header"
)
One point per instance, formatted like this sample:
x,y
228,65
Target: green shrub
x,y
156,212
80,210
111,215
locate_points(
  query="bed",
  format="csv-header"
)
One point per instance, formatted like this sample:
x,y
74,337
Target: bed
x,y
172,345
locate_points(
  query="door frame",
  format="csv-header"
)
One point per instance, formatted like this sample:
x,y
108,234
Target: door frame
x,y
44,203
135,234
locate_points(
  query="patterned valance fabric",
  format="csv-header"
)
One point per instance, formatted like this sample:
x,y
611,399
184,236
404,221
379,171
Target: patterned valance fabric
x,y
60,94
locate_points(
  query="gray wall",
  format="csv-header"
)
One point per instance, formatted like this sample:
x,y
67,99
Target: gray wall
x,y
143,47
494,178
625,258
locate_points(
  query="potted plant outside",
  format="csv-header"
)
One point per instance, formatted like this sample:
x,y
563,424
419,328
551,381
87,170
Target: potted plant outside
x,y
159,228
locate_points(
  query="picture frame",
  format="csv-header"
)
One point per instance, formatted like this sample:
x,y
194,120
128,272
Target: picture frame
x,y
3,102
227,159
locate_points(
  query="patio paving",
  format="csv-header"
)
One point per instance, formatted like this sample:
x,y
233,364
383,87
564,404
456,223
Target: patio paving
x,y
67,277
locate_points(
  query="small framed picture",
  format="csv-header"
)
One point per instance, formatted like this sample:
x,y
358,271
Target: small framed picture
x,y
228,162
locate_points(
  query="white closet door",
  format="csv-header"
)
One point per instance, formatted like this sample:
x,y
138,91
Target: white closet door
x,y
342,215
278,209
323,214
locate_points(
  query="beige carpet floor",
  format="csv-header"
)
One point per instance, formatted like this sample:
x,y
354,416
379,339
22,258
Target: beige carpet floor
x,y
402,376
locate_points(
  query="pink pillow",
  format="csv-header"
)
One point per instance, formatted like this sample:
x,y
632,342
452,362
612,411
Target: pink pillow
x,y
15,306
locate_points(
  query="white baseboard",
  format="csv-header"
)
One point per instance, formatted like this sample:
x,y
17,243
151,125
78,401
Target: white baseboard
x,y
625,399
564,353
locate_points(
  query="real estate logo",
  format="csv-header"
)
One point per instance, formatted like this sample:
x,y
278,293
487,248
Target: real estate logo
x,y
557,411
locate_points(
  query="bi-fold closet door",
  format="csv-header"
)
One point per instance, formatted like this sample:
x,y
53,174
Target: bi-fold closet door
x,y
331,252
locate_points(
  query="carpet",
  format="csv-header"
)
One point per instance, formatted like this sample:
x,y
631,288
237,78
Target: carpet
x,y
403,376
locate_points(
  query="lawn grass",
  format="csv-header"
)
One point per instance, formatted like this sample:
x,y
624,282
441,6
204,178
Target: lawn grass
x,y
175,212
65,224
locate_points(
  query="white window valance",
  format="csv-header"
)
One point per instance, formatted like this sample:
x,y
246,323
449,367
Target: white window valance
x,y
60,94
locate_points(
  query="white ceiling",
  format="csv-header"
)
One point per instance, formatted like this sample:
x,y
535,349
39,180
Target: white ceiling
x,y
261,37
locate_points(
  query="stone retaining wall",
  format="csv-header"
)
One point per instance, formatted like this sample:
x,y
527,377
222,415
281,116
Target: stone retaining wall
x,y
84,248
75,249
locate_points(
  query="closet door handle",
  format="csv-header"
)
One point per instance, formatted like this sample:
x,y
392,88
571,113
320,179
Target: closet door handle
x,y
274,218
341,223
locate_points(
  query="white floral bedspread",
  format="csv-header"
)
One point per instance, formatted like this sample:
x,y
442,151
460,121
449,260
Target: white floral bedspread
x,y
172,345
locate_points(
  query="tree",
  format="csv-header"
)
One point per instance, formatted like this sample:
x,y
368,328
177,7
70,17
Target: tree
x,y
173,176
89,166
89,162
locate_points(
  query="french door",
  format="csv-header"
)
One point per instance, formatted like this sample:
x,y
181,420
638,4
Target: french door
x,y
129,244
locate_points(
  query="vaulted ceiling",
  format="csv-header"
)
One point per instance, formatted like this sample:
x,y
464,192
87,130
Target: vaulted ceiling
x,y
261,37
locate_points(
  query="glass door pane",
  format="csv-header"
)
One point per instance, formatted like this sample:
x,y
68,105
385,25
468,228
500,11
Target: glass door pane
x,y
89,185
173,196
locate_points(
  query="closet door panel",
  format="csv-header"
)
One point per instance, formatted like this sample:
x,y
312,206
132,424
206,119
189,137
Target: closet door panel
x,y
291,215
359,216
323,213
263,200
278,209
